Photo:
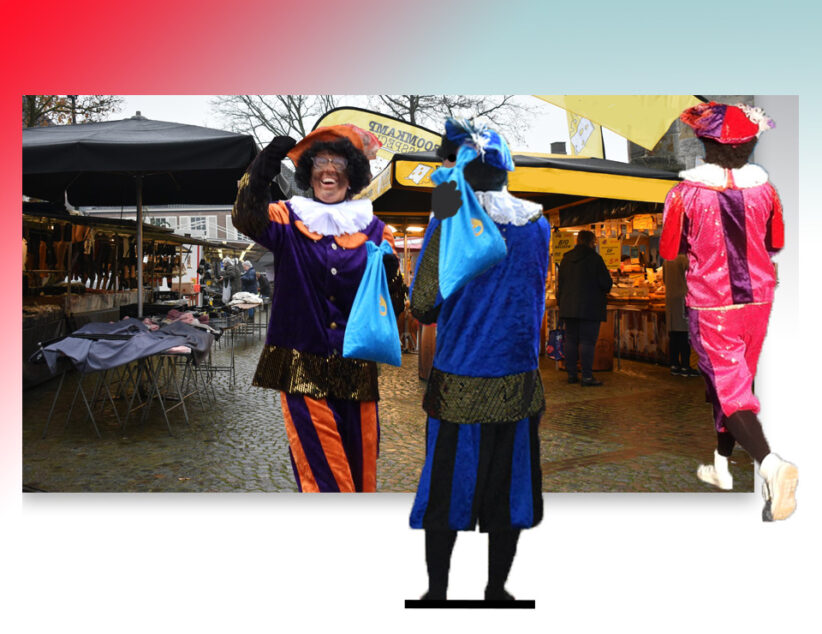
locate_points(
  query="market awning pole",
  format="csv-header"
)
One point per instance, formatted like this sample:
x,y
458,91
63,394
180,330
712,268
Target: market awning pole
x,y
180,273
68,266
139,246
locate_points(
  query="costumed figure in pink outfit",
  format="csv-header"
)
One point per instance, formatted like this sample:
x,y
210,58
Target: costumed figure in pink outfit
x,y
727,218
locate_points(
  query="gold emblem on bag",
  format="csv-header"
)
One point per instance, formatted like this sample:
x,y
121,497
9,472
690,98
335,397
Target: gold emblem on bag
x,y
476,224
383,306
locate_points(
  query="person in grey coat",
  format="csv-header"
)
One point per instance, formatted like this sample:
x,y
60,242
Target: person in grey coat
x,y
235,273
676,315
582,288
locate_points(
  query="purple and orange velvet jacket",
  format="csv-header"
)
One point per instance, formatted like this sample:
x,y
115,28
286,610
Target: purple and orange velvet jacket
x,y
315,281
729,223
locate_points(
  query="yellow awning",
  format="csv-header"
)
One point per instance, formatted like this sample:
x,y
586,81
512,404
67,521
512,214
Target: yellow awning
x,y
643,119
552,180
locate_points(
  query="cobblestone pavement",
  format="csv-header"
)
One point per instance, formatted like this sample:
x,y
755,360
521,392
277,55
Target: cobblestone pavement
x,y
644,430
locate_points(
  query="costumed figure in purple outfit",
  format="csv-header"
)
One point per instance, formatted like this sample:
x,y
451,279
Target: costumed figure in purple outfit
x,y
329,402
727,218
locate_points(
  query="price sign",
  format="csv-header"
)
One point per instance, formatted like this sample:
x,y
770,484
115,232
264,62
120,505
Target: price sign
x,y
610,249
561,243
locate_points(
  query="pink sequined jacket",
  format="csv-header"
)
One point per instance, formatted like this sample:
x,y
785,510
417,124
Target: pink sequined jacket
x,y
729,223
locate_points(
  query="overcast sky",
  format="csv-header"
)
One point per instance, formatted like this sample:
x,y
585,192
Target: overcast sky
x,y
548,124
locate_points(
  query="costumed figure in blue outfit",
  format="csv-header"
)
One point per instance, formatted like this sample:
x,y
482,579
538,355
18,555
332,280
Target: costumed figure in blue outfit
x,y
484,397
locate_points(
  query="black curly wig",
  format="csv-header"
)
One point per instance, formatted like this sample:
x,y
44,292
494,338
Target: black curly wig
x,y
481,176
358,169
727,155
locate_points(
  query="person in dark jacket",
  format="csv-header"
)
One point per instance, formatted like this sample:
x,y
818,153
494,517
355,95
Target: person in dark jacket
x,y
583,284
264,285
249,278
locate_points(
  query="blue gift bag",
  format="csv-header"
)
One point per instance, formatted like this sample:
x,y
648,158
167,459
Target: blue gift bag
x,y
555,346
371,333
470,242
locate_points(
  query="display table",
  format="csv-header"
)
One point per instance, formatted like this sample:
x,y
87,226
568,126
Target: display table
x,y
641,332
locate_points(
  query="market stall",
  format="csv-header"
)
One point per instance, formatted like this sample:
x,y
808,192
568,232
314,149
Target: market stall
x,y
134,161
604,196
79,269
636,325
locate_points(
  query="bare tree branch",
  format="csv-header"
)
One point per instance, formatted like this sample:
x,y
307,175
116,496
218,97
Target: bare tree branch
x,y
40,110
502,112
267,116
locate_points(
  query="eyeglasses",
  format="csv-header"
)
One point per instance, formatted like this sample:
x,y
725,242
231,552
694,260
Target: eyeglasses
x,y
337,162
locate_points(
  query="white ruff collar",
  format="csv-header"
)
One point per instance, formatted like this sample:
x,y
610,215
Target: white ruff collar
x,y
346,217
749,175
505,209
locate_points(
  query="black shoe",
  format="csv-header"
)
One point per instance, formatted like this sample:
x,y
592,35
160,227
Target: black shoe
x,y
498,595
690,372
592,382
573,379
676,370
433,596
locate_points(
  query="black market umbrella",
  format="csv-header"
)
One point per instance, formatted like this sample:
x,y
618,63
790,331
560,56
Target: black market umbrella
x,y
133,162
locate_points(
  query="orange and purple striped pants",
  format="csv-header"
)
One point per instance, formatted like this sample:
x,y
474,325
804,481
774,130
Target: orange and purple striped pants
x,y
333,443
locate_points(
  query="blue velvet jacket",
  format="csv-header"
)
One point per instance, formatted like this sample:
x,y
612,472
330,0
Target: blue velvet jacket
x,y
486,366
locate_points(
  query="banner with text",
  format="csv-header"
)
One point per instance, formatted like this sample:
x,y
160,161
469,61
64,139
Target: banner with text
x,y
397,137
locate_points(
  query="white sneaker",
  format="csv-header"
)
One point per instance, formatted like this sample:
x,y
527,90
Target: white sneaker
x,y
708,473
779,488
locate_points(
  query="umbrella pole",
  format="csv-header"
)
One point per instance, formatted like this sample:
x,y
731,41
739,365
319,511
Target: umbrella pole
x,y
180,274
68,288
139,246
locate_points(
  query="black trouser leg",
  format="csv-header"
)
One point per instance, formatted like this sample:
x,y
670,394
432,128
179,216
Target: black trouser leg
x,y
438,548
725,443
747,430
673,349
679,349
502,546
571,346
685,352
588,333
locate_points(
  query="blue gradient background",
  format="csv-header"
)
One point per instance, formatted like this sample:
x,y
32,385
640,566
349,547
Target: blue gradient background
x,y
262,563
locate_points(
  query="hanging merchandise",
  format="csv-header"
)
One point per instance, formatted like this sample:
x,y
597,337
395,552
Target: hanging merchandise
x,y
470,242
371,333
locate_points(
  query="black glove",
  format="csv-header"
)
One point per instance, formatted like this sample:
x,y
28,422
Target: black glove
x,y
250,213
446,200
267,164
279,147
